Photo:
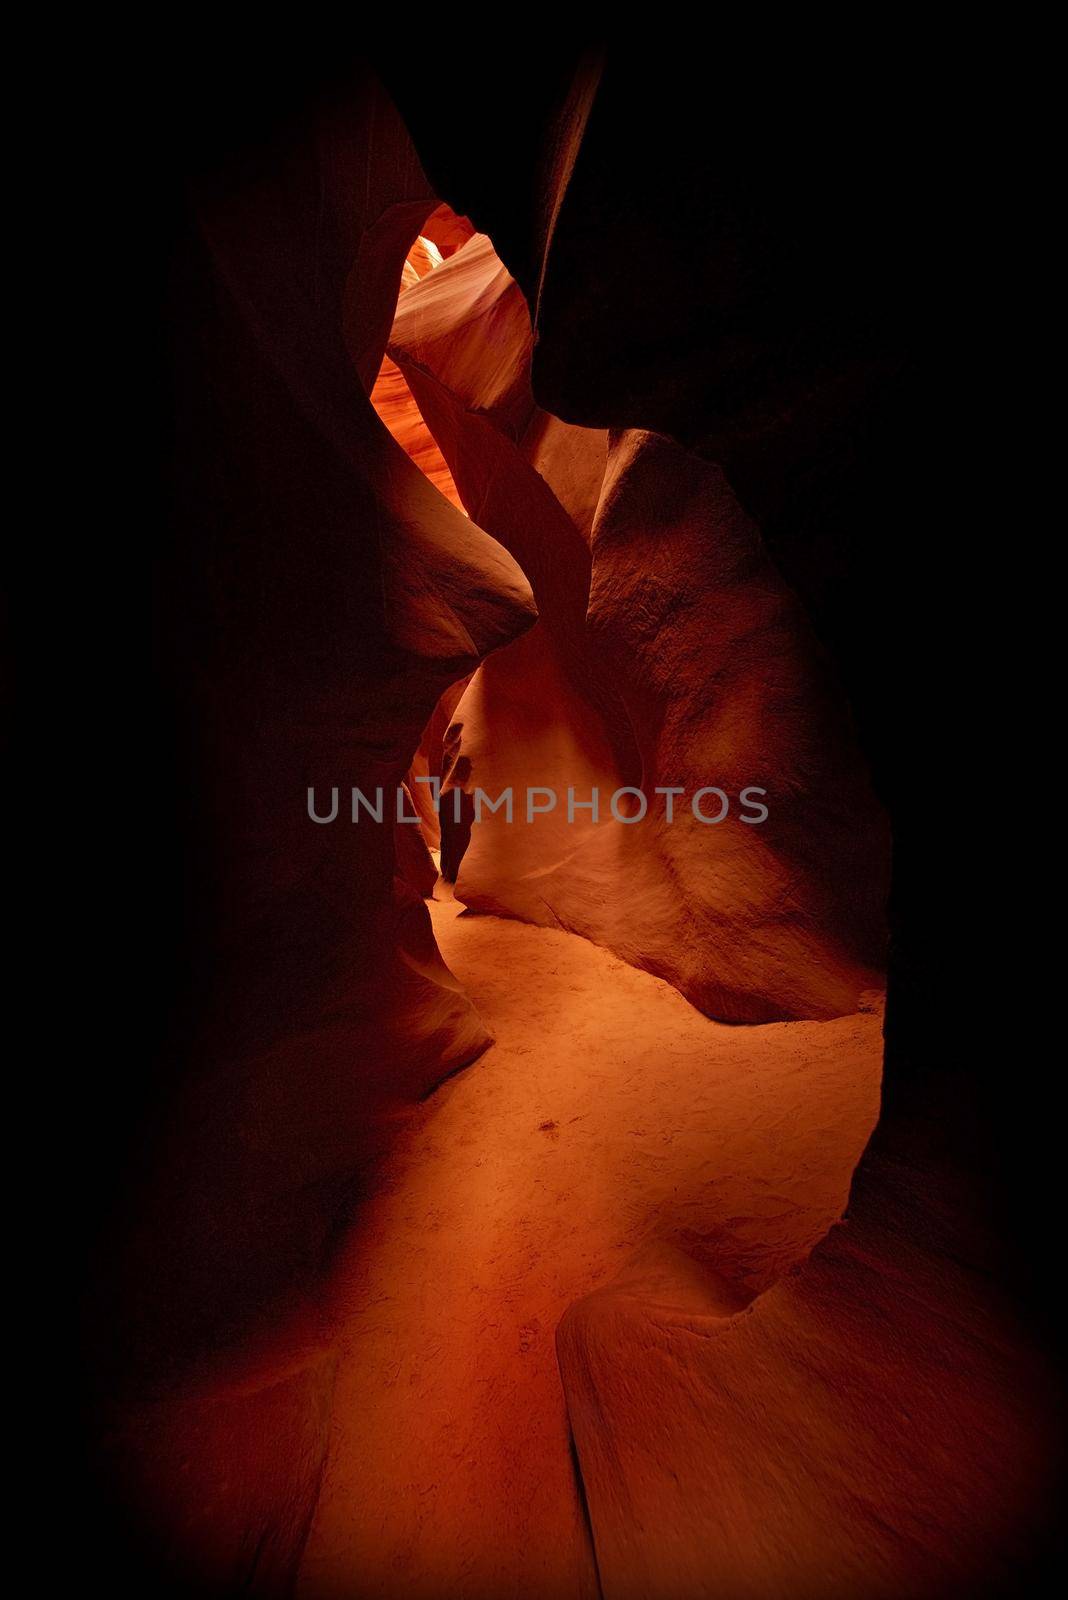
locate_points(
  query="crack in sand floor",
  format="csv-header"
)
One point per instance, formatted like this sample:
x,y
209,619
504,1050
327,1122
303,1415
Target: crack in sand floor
x,y
608,1112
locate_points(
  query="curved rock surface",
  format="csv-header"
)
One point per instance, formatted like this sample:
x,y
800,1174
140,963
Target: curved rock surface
x,y
745,274
864,1428
669,652
318,597
785,306
608,1112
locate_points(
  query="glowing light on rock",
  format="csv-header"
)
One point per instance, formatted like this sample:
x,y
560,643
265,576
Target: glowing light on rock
x,y
394,401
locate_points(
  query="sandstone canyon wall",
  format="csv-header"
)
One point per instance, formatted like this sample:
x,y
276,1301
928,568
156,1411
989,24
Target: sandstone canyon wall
x,y
315,598
668,652
690,399
897,1391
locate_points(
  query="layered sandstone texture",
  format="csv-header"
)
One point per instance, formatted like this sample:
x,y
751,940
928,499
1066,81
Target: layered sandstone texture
x,y
320,595
877,1423
695,531
668,653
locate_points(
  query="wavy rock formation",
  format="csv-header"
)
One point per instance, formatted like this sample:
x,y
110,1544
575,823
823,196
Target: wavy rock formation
x,y
781,315
718,527
669,652
320,597
864,1428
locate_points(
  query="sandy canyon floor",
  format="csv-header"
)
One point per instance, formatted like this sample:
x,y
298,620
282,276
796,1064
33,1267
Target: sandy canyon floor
x,y
608,1113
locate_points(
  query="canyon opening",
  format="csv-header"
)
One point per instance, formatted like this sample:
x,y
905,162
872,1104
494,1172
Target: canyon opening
x,y
555,1176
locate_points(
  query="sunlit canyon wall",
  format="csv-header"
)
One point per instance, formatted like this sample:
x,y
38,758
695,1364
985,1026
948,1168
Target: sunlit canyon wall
x,y
652,519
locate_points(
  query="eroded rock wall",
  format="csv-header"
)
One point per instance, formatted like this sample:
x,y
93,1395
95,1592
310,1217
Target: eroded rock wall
x,y
784,312
316,598
669,652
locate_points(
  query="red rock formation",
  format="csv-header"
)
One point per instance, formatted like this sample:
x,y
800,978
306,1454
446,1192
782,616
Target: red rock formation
x,y
390,396
429,763
392,399
876,1424
319,598
446,231
326,680
740,275
866,1427
676,658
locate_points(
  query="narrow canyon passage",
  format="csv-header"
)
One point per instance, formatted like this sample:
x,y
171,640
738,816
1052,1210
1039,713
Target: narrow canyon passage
x,y
608,1113
552,490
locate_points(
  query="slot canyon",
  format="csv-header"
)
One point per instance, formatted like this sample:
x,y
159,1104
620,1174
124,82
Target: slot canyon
x,y
598,1195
